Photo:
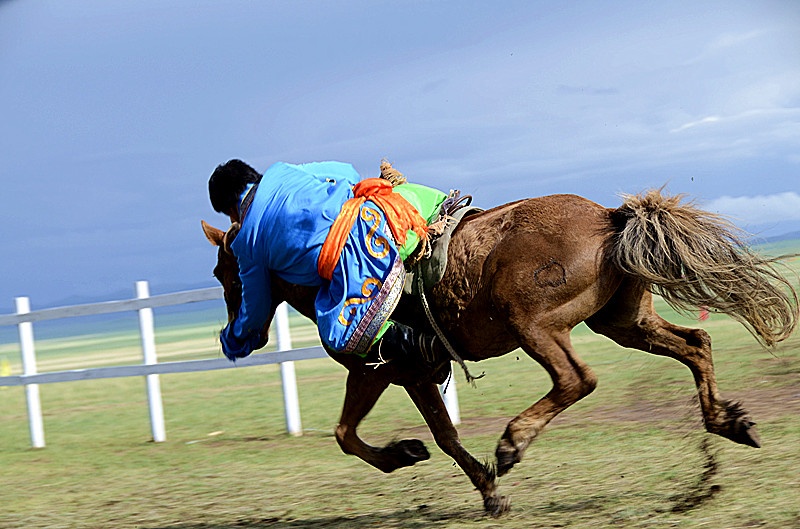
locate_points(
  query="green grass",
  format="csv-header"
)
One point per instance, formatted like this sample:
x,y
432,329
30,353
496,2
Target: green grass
x,y
623,457
630,455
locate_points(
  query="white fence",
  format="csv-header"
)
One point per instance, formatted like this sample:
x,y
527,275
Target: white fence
x,y
150,368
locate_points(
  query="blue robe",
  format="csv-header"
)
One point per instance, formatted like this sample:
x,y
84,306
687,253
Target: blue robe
x,y
282,233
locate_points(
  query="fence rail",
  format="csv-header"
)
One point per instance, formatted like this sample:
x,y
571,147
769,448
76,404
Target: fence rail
x,y
165,368
150,367
109,307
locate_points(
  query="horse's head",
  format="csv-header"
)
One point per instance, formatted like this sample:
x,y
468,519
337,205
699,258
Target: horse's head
x,y
227,273
227,269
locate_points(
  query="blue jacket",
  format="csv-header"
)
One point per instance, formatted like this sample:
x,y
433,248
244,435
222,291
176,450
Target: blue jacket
x,y
282,233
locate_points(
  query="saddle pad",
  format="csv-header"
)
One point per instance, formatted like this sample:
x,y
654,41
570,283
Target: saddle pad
x,y
432,268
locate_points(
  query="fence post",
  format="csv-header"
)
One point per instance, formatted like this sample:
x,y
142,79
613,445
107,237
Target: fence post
x,y
147,331
450,396
291,402
28,352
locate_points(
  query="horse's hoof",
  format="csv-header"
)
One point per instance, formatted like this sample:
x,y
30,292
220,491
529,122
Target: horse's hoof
x,y
507,457
740,428
496,505
407,452
744,432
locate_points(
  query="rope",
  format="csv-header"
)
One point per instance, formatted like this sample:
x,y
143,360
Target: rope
x,y
453,202
453,354
391,174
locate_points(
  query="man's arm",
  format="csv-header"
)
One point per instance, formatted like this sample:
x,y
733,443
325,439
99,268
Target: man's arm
x,y
240,337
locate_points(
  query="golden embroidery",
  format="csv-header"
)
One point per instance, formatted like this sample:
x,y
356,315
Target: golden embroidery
x,y
369,289
378,247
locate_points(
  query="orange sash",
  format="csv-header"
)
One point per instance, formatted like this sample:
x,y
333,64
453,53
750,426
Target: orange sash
x,y
400,215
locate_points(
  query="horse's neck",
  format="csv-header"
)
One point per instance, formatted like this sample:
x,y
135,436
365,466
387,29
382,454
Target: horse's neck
x,y
299,297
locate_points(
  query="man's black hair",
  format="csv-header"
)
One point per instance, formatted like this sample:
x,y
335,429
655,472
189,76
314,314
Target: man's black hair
x,y
228,182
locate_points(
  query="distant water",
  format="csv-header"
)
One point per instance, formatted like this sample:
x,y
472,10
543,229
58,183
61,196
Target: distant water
x,y
211,313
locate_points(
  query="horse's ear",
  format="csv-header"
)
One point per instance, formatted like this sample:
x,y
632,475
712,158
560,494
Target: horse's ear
x,y
215,236
229,236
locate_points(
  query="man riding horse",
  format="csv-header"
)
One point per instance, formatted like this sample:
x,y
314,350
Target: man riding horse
x,y
519,276
319,224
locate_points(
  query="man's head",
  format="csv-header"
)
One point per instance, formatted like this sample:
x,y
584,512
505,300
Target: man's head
x,y
227,183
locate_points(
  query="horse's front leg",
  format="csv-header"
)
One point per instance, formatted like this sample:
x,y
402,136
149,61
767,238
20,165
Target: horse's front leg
x,y
364,386
429,402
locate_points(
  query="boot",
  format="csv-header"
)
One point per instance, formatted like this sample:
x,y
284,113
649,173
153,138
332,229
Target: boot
x,y
404,344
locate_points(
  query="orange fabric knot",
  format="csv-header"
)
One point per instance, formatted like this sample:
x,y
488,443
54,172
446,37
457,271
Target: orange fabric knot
x,y
400,215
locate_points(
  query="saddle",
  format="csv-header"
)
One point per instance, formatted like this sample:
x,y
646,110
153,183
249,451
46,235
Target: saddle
x,y
428,263
426,266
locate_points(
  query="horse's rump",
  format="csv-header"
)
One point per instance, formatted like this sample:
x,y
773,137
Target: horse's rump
x,y
561,257
544,254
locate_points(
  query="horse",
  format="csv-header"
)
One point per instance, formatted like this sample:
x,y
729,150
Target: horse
x,y
522,276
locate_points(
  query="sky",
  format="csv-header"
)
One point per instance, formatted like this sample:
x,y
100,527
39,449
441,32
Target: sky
x,y
114,114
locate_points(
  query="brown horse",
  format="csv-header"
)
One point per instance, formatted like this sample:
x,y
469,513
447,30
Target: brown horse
x,y
524,274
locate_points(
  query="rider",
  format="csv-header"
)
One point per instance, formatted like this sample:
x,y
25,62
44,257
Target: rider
x,y
318,224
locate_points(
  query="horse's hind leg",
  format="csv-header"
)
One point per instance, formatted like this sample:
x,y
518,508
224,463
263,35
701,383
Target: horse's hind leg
x,y
630,320
572,380
364,386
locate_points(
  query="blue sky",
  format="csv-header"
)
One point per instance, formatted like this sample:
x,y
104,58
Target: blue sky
x,y
114,114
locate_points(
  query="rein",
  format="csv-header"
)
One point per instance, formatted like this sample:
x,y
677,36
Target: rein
x,y
453,354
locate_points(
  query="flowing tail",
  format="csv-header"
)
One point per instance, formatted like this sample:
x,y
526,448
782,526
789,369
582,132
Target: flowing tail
x,y
693,258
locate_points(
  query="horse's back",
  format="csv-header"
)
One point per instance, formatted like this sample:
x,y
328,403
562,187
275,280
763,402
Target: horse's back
x,y
563,228
539,256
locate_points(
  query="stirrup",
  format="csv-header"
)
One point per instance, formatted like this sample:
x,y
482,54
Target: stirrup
x,y
427,349
381,360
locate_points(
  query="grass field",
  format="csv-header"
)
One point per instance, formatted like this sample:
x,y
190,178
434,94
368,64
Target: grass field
x,y
632,454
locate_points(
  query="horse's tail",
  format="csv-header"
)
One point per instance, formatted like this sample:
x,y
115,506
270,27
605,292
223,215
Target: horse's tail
x,y
693,258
